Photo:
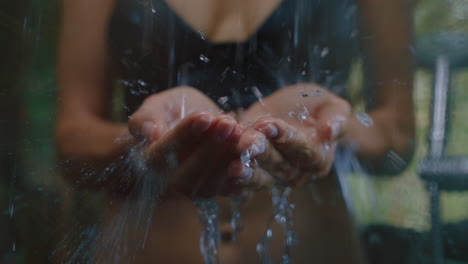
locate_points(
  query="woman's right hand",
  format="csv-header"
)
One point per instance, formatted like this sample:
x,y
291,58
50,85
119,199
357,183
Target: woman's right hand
x,y
190,141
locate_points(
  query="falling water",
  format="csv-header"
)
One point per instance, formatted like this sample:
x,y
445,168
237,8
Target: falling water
x,y
210,236
109,245
303,113
262,246
283,211
236,217
258,94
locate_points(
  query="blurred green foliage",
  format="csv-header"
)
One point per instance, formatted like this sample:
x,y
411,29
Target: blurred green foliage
x,y
403,200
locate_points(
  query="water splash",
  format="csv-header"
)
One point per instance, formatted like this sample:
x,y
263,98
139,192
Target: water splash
x,y
210,237
223,100
303,113
246,158
202,35
258,94
262,246
365,119
108,243
204,58
236,217
283,211
324,52
12,209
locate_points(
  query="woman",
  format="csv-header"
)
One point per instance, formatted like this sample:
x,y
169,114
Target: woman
x,y
208,82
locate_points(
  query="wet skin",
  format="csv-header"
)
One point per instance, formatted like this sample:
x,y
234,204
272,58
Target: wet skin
x,y
292,151
187,129
283,146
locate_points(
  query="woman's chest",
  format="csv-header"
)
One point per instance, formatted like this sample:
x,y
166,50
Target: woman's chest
x,y
224,21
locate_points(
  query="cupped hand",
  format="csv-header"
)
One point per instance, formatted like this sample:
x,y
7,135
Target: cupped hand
x,y
302,124
190,142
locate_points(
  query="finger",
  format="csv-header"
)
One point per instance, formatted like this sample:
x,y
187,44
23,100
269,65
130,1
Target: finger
x,y
145,124
180,140
241,176
254,147
204,170
332,119
286,138
298,155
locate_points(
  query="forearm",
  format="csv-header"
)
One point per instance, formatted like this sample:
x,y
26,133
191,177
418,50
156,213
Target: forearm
x,y
89,148
386,145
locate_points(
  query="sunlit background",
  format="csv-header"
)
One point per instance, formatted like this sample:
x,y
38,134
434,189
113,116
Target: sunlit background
x,y
35,205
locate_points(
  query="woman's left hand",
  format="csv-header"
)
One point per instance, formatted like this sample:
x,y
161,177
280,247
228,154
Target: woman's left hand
x,y
302,124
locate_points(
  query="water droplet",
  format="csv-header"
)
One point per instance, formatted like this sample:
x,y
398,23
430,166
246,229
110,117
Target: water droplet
x,y
324,52
202,36
304,112
288,58
291,114
318,92
223,100
365,119
236,217
285,259
142,83
260,248
246,158
153,10
258,94
269,233
304,93
210,236
291,238
12,209
303,73
204,58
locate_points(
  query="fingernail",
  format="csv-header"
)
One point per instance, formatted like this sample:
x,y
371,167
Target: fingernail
x,y
336,127
201,125
148,130
258,148
224,128
270,131
246,174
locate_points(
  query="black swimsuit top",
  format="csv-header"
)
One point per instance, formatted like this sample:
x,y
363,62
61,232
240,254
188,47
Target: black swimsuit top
x,y
301,41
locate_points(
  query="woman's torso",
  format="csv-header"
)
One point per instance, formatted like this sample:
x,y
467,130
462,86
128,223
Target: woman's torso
x,y
154,49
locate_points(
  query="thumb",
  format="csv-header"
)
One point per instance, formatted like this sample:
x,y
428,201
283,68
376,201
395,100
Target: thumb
x,y
332,121
146,125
